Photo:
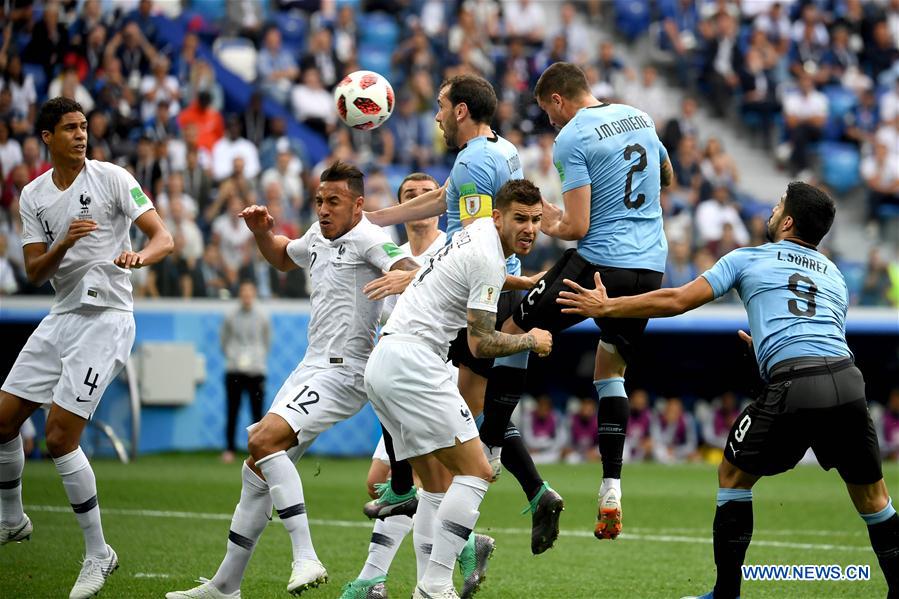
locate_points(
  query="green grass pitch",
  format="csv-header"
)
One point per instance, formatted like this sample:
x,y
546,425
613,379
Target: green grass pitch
x,y
167,517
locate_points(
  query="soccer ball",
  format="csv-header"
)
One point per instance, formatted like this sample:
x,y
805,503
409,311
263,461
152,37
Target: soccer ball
x,y
364,100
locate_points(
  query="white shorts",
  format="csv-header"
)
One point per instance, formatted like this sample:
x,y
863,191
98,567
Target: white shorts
x,y
71,358
313,399
415,397
380,452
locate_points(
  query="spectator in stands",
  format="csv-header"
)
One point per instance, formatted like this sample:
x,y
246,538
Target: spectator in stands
x,y
679,269
543,431
287,172
68,85
183,62
718,167
31,158
713,214
649,96
416,53
880,53
412,133
775,25
680,25
188,248
23,101
840,63
134,52
8,283
231,236
805,113
207,120
545,176
722,63
891,426
322,57
90,55
49,40
876,284
346,31
889,104
10,150
246,17
524,19
147,169
638,444
115,96
583,432
159,87
90,17
214,281
674,434
143,18
312,103
233,146
880,172
862,122
13,186
759,93
577,35
275,66
245,186
681,124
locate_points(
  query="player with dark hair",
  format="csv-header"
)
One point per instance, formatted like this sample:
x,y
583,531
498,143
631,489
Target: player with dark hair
x,y
612,167
814,396
76,219
412,391
342,252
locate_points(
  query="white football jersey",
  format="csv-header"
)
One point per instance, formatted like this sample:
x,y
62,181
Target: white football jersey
x,y
344,322
106,194
468,273
421,259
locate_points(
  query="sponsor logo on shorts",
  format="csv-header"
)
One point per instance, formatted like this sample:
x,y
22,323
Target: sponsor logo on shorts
x,y
79,400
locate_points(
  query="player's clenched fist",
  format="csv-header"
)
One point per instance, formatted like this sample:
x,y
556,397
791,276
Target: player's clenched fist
x,y
130,260
543,342
79,228
257,218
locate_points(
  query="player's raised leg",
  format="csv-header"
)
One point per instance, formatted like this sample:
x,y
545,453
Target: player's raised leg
x,y
612,415
14,523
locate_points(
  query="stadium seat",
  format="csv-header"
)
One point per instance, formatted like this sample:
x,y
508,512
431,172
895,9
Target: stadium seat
x,y
375,58
839,165
212,12
238,55
378,29
840,101
854,275
632,17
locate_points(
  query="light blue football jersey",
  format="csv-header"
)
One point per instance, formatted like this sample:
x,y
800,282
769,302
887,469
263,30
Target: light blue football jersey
x,y
615,150
795,297
480,169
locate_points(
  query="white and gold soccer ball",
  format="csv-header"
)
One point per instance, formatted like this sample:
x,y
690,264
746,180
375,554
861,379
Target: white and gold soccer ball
x,y
364,100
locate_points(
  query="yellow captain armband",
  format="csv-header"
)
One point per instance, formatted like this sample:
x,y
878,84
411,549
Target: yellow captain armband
x,y
476,205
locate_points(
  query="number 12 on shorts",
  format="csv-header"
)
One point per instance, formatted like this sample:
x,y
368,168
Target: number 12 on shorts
x,y
312,396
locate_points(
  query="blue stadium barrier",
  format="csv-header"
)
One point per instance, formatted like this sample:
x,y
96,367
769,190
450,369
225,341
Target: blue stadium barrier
x,y
632,17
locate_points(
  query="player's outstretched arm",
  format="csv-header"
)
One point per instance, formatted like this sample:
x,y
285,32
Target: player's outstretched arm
x,y
159,243
428,204
394,281
519,283
572,223
485,341
41,263
595,303
273,247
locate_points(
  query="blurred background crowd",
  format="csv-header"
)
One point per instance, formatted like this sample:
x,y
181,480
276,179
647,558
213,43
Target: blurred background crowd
x,y
218,105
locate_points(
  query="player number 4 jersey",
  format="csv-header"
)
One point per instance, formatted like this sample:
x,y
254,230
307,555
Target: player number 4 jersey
x,y
468,273
343,323
87,277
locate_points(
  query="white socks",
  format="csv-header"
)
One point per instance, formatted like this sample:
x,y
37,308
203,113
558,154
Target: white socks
x,y
607,483
287,495
81,489
456,518
12,462
423,531
386,538
251,516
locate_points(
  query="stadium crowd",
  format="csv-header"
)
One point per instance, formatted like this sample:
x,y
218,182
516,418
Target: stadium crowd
x,y
156,106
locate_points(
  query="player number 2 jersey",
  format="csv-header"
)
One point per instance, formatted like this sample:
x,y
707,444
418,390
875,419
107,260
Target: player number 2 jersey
x,y
102,192
614,148
795,297
469,272
343,323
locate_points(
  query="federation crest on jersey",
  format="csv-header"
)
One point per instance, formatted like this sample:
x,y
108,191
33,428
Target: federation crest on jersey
x,y
472,204
85,200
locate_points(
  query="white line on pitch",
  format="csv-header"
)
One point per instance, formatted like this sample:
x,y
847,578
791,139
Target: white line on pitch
x,y
642,536
150,575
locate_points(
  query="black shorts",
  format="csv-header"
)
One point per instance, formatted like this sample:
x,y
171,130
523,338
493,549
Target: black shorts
x,y
810,402
539,308
459,352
